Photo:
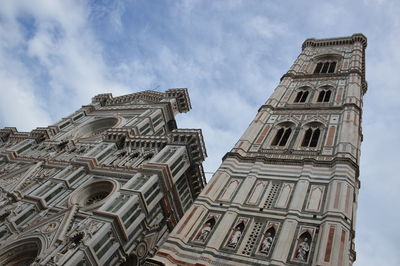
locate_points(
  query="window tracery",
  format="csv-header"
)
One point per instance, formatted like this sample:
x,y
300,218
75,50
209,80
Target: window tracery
x,y
324,96
325,67
312,134
282,135
301,96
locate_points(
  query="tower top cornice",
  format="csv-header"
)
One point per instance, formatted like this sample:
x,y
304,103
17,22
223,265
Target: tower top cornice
x,y
357,37
181,96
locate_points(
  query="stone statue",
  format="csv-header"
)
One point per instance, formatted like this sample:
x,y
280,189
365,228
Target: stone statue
x,y
205,232
266,244
235,238
302,251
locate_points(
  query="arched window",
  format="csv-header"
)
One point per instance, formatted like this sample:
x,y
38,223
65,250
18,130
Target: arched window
x,y
324,96
301,96
311,135
282,136
325,67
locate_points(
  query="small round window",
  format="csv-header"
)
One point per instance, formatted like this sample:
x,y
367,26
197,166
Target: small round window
x,y
93,195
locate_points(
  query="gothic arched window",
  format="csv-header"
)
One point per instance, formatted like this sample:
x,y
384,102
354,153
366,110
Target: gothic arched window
x,y
311,135
324,96
301,96
325,67
282,136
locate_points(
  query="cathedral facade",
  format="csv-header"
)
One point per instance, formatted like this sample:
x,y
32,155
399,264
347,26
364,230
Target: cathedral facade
x,y
103,186
286,194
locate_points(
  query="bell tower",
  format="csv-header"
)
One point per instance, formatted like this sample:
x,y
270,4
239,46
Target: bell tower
x,y
286,194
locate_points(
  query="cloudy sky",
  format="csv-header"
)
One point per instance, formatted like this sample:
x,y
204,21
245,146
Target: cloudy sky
x,y
56,55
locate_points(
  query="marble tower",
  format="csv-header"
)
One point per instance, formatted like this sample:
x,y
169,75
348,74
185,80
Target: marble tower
x,y
286,194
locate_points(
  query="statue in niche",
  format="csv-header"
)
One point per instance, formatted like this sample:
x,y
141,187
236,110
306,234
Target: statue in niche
x,y
237,234
303,248
266,244
206,230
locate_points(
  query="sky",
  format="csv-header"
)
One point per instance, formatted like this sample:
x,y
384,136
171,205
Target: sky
x,y
56,55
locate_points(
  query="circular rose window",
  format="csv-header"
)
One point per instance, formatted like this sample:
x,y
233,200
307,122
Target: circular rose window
x,y
96,127
93,195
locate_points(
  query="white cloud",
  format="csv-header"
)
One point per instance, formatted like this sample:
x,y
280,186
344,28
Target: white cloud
x,y
230,54
64,50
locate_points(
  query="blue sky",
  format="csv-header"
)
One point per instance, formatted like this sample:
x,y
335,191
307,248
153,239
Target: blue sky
x,y
56,55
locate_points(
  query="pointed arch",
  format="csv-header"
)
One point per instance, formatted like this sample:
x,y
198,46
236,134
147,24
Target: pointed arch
x,y
312,134
302,94
321,96
206,229
325,93
271,230
267,240
230,190
278,137
256,193
326,63
303,247
315,198
283,132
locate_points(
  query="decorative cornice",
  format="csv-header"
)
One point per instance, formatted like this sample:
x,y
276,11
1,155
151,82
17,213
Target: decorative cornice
x,y
180,94
193,139
329,161
357,37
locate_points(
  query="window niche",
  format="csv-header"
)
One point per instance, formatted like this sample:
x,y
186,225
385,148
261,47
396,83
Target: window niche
x,y
236,233
324,94
282,134
207,228
326,64
267,240
311,135
301,95
303,247
325,67
230,190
